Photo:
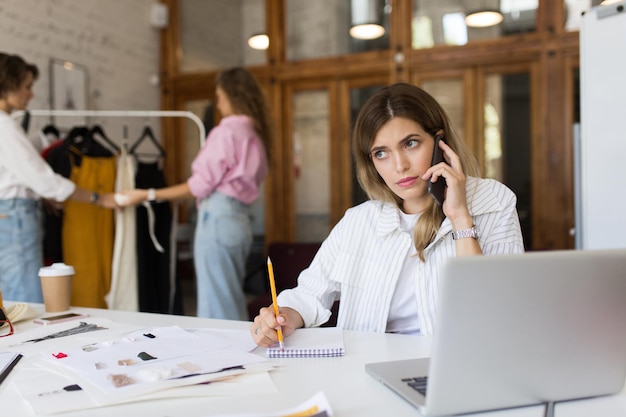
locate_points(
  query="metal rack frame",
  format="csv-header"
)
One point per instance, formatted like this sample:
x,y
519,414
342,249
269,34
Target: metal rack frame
x,y
118,113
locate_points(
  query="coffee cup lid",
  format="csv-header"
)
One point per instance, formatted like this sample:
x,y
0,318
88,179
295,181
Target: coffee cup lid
x,y
56,269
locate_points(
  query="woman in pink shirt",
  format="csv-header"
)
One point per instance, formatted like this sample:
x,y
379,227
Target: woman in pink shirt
x,y
225,180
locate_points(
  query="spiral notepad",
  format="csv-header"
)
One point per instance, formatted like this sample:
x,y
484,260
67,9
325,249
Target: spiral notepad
x,y
315,342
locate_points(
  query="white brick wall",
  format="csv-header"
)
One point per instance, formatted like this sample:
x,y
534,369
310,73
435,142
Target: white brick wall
x,y
112,38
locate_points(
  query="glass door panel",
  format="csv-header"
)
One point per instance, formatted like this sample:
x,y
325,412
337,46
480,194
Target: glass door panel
x,y
311,165
444,22
321,28
191,144
214,34
507,138
449,93
358,96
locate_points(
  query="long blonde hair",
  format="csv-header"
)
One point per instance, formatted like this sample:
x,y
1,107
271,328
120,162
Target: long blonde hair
x,y
413,103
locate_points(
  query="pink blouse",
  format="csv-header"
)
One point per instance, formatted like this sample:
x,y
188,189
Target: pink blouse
x,y
232,160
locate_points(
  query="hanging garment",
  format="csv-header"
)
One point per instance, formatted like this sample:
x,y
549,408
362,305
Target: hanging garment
x,y
53,220
159,289
79,140
123,294
87,234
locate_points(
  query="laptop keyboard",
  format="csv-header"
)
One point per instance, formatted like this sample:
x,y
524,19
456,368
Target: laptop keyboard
x,y
417,383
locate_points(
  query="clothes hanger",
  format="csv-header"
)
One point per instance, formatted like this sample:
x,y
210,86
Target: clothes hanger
x,y
125,138
147,133
51,129
79,137
98,134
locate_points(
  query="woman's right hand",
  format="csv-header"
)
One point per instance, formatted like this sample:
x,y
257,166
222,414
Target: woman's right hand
x,y
128,198
263,329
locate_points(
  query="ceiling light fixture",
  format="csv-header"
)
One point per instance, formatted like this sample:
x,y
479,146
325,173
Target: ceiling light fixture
x,y
483,18
259,41
367,31
366,19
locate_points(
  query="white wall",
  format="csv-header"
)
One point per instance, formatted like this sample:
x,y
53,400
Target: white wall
x,y
112,38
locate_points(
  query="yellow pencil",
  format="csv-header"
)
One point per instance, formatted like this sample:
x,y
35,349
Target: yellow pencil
x,y
270,269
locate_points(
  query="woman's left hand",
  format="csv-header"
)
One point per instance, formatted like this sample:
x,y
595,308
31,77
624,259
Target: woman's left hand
x,y
455,203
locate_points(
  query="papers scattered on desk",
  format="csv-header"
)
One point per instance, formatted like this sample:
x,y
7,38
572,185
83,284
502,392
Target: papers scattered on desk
x,y
311,343
149,360
95,371
49,393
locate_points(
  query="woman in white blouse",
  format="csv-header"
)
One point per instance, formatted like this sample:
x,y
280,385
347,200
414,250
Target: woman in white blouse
x,y
382,259
24,178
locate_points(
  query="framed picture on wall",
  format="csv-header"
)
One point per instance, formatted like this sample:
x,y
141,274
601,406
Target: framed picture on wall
x,y
68,89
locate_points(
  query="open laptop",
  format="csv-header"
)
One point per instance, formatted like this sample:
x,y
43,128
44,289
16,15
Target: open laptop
x,y
516,330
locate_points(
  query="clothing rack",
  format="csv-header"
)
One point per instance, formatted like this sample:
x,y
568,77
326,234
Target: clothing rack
x,y
117,113
127,114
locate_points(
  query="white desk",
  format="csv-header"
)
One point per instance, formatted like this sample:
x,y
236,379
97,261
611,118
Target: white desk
x,y
350,391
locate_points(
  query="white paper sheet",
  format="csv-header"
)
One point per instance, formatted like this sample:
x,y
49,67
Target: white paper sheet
x,y
46,393
149,360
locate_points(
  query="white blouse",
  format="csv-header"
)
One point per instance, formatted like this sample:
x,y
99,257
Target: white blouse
x,y
23,172
362,258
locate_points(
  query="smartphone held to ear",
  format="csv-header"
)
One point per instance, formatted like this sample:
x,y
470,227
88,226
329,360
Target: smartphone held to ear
x,y
438,188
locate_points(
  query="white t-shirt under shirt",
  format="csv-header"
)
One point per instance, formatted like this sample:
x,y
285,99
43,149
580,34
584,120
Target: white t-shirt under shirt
x,y
403,316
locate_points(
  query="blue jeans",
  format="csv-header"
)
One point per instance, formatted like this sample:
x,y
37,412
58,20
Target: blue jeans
x,y
221,246
21,250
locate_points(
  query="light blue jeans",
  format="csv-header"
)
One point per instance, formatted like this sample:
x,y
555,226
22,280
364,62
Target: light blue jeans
x,y
21,251
222,243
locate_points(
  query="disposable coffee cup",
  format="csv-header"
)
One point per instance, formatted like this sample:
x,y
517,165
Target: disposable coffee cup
x,y
56,285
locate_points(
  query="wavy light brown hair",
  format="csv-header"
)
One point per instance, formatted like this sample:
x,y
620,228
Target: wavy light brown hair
x,y
13,72
246,97
413,103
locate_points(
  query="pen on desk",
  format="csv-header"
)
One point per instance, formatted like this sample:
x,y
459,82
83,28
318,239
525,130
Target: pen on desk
x,y
270,270
10,366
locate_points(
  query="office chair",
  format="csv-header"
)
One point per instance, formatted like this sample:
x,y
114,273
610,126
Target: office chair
x,y
288,260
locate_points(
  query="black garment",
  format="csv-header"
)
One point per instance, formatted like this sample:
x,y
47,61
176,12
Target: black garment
x,y
56,156
153,267
78,142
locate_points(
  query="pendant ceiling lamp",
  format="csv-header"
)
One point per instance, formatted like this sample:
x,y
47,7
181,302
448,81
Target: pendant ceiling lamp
x,y
259,41
483,18
367,19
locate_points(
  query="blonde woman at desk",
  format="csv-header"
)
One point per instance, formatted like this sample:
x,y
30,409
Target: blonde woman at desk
x,y
382,259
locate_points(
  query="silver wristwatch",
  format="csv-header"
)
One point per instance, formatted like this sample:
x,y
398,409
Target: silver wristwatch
x,y
472,232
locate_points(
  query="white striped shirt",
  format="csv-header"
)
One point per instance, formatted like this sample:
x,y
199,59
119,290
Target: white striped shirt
x,y
361,260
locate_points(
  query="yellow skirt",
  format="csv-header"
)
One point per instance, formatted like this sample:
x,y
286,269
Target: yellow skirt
x,y
88,233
